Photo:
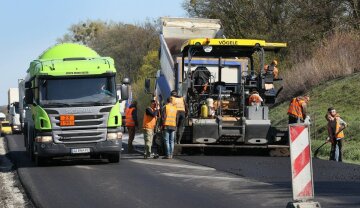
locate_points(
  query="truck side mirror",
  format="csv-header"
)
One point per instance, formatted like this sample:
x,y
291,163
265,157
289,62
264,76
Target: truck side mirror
x,y
124,90
147,85
126,81
29,96
12,111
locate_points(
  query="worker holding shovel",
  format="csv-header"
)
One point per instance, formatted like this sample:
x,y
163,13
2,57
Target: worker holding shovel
x,y
336,135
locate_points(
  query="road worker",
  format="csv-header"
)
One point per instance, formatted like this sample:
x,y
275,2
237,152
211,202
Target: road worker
x,y
201,77
169,127
131,122
179,103
149,122
266,67
275,69
255,99
297,110
336,135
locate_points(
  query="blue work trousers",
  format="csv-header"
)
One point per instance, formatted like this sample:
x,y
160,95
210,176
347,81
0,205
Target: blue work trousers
x,y
169,136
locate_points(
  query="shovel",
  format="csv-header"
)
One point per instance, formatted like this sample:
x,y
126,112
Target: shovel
x,y
317,150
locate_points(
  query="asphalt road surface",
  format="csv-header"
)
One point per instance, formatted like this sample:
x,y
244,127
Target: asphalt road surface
x,y
190,181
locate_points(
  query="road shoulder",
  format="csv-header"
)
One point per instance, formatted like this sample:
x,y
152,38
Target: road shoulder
x,y
12,193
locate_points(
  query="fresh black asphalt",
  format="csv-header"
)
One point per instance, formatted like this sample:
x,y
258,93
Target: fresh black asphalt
x,y
217,181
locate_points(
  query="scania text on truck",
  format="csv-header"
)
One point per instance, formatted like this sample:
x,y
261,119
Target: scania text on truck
x,y
73,105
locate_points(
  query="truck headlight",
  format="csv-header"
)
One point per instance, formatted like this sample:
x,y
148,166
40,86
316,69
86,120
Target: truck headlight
x,y
43,139
114,136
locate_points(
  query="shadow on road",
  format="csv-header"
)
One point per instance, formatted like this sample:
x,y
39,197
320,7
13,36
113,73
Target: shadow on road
x,y
5,164
21,159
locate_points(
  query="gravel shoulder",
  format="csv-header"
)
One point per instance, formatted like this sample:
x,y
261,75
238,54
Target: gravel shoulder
x,y
12,195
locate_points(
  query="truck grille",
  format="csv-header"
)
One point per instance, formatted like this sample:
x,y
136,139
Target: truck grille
x,y
88,128
80,136
84,120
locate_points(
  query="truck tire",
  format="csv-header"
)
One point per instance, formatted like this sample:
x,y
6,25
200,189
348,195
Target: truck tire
x,y
25,136
31,152
114,157
40,161
31,148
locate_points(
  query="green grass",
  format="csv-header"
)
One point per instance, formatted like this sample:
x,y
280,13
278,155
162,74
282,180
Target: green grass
x,y
344,95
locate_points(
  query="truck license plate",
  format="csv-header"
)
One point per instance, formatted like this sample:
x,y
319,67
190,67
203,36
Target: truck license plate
x,y
80,150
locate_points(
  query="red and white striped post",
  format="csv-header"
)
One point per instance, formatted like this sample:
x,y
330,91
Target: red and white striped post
x,y
301,167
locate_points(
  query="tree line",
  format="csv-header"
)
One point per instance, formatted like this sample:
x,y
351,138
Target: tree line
x,y
300,23
128,44
306,25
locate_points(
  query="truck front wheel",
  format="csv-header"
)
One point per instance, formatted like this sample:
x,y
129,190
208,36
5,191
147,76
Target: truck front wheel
x,y
40,161
114,157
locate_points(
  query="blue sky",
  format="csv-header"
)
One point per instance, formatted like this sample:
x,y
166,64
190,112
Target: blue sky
x,y
30,27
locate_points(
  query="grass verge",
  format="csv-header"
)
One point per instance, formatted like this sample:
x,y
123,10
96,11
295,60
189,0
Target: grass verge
x,y
344,95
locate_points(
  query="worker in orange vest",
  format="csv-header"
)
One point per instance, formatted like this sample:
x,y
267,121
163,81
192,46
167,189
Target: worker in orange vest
x,y
274,63
336,135
169,127
297,110
150,116
255,99
179,103
131,122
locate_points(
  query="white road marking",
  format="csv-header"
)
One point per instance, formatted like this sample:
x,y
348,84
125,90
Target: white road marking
x,y
152,162
84,167
190,176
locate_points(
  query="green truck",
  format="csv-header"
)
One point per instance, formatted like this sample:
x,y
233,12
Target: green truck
x,y
73,105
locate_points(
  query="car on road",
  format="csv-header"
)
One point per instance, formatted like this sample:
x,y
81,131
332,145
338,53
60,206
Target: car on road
x,y
5,128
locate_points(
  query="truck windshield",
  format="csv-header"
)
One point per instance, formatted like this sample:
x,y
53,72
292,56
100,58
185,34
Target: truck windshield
x,y
77,91
16,105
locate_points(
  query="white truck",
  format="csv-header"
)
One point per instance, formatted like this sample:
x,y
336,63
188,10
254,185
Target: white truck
x,y
13,110
22,104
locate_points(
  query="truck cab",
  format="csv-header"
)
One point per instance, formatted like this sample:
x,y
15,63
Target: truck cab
x,y
74,107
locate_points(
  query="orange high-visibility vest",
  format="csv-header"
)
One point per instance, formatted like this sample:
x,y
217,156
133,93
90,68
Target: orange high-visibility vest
x,y
295,108
179,103
338,126
255,98
170,115
129,121
149,122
